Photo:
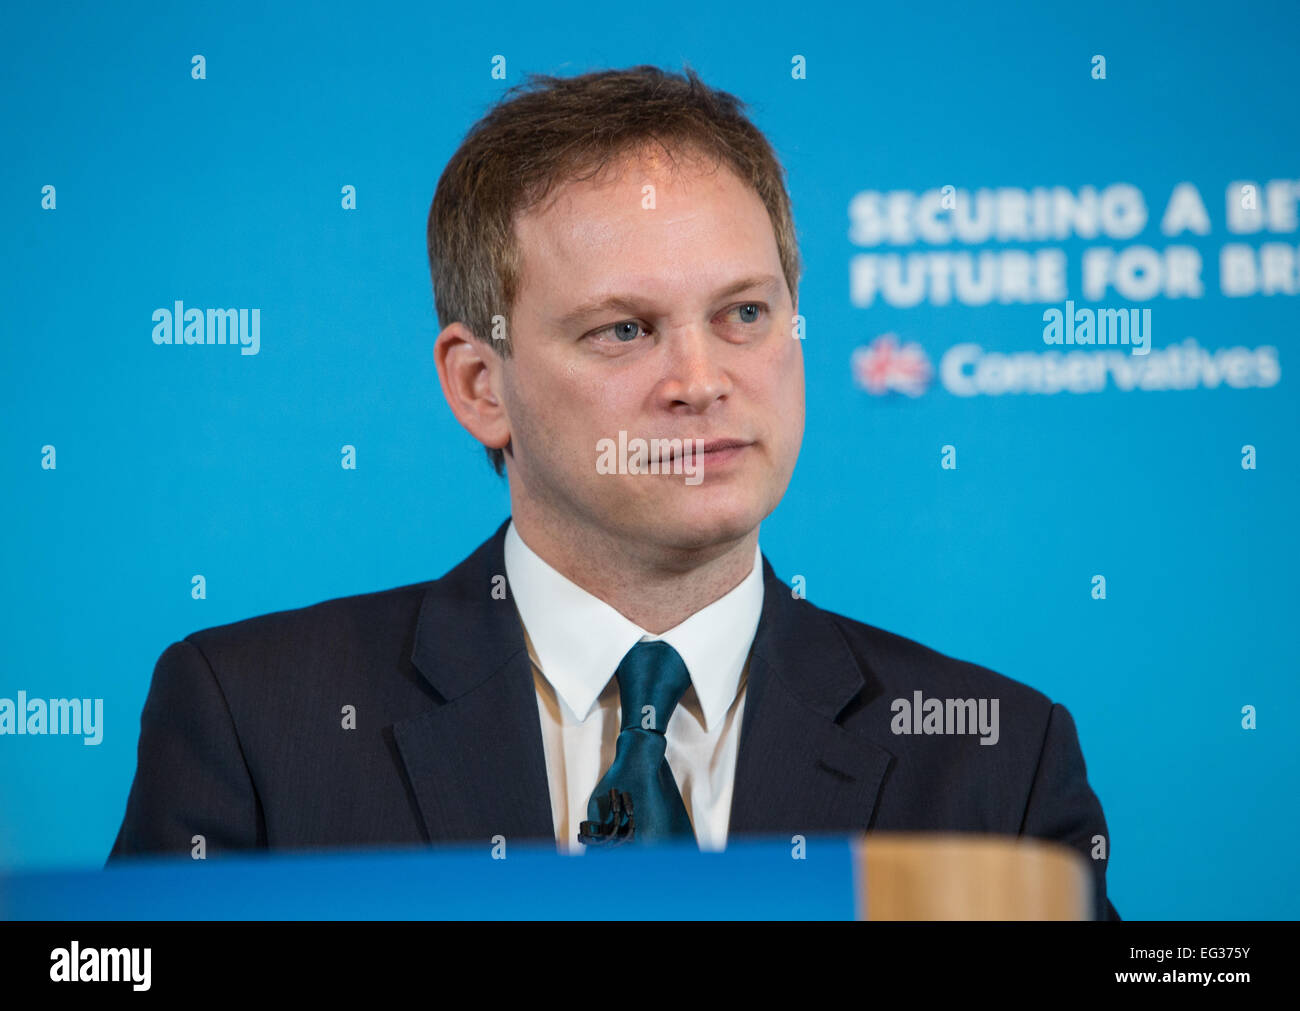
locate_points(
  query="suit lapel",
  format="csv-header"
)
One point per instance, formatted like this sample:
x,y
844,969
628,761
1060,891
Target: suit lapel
x,y
476,761
798,770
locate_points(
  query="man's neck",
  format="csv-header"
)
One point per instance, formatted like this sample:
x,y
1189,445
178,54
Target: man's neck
x,y
656,589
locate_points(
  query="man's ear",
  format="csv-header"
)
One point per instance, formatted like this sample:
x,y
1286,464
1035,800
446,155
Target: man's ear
x,y
470,373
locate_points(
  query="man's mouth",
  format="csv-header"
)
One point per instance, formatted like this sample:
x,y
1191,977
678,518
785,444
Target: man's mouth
x,y
718,445
712,449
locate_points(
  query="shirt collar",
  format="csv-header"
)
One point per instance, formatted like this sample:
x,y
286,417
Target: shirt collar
x,y
579,639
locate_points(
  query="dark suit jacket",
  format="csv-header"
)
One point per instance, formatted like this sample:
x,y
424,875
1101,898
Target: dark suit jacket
x,y
242,737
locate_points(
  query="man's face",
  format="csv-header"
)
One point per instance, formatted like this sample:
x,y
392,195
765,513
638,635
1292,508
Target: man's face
x,y
695,343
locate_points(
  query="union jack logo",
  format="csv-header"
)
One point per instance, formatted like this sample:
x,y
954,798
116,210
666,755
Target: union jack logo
x,y
885,365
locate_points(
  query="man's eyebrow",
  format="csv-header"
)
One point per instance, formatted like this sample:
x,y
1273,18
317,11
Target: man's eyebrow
x,y
628,303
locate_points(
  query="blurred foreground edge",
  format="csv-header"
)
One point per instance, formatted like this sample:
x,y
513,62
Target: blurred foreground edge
x,y
927,876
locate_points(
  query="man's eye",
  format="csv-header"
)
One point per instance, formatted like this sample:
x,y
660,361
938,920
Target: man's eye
x,y
749,311
623,332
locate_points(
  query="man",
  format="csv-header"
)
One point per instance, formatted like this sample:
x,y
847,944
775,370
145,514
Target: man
x,y
615,267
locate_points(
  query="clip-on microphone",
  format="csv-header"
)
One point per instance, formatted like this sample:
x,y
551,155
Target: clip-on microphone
x,y
619,825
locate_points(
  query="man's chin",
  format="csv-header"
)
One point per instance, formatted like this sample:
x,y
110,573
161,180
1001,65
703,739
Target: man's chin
x,y
691,523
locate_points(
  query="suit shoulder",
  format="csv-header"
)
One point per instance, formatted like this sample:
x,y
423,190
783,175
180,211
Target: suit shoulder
x,y
333,622
904,665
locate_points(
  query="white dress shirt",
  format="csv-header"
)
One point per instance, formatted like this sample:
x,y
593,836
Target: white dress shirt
x,y
576,642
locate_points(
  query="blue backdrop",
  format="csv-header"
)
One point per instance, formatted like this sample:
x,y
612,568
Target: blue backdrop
x,y
129,183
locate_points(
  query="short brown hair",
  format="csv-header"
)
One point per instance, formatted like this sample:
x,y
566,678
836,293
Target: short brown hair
x,y
552,130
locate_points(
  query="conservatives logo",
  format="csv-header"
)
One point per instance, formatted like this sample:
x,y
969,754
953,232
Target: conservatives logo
x,y
967,370
883,366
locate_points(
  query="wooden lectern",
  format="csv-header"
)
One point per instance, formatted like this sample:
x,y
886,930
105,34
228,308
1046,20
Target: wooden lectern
x,y
969,877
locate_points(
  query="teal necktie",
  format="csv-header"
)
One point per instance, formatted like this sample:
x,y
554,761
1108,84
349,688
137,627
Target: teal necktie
x,y
651,681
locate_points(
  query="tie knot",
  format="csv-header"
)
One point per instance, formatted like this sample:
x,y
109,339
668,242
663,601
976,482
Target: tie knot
x,y
652,679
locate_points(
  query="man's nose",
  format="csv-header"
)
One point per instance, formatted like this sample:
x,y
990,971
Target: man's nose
x,y
694,368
